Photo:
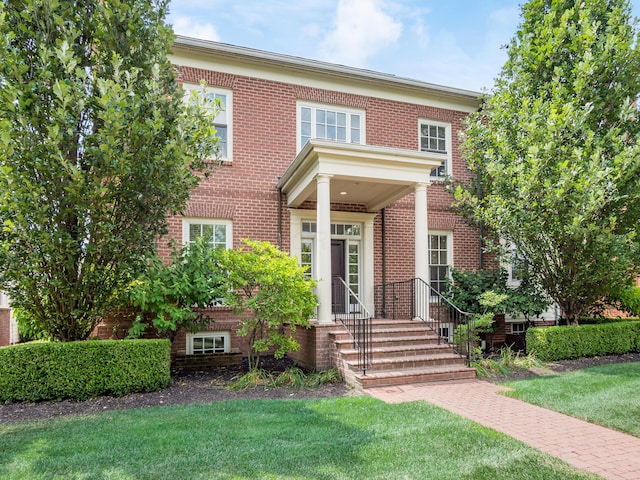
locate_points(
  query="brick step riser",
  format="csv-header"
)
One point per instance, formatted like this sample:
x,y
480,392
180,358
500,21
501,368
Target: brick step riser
x,y
404,364
399,343
371,381
390,334
352,354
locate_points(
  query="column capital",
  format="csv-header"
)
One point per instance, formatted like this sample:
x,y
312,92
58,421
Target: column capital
x,y
323,177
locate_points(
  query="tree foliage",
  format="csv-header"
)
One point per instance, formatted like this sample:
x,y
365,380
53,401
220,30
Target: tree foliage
x,y
174,294
556,149
96,147
466,290
270,292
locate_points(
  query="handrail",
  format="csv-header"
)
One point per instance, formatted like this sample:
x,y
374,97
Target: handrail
x,y
416,299
356,318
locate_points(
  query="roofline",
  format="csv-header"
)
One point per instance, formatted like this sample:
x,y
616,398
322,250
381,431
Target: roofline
x,y
316,66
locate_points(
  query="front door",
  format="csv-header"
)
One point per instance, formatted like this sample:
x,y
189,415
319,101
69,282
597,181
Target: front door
x,y
338,296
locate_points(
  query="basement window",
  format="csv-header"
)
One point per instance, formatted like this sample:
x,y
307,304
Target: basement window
x,y
208,342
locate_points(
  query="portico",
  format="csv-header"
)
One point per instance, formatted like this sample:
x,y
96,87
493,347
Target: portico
x,y
327,173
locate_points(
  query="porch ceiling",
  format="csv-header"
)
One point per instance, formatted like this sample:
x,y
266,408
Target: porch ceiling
x,y
360,174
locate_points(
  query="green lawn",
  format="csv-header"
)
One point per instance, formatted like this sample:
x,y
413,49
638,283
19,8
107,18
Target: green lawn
x,y
342,438
606,395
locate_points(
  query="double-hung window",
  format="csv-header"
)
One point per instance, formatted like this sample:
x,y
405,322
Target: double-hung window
x,y
217,233
435,137
222,120
439,260
329,123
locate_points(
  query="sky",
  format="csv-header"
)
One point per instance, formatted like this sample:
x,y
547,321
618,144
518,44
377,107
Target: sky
x,y
457,43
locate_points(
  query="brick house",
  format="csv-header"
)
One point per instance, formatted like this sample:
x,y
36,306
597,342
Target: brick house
x,y
341,167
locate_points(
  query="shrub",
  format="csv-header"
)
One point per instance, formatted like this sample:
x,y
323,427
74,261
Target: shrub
x,y
271,293
559,343
603,320
55,370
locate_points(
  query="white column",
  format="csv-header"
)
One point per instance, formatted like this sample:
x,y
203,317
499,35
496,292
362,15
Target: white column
x,y
323,248
421,233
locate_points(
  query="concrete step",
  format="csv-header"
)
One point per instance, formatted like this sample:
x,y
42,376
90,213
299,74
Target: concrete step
x,y
412,375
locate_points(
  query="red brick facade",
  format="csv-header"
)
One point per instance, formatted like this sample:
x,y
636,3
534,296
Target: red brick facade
x,y
5,326
264,125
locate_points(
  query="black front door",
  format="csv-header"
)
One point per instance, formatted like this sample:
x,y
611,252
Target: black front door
x,y
338,296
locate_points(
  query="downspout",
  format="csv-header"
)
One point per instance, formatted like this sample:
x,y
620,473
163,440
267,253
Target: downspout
x,y
480,228
384,262
279,216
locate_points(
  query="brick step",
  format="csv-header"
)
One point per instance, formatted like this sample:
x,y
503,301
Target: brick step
x,y
387,332
411,361
412,375
391,351
412,340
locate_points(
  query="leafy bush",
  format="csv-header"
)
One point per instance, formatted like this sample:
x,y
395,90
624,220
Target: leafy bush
x,y
55,370
559,343
271,293
466,289
629,300
169,293
603,320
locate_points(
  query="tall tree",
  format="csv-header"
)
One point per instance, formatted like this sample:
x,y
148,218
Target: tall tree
x,y
96,148
556,149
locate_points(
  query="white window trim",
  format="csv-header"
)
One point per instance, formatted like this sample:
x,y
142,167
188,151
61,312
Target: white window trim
x,y
228,111
325,106
513,332
186,222
449,235
225,335
447,126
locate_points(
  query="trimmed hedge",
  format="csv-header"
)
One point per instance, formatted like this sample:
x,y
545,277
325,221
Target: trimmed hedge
x,y
601,320
561,343
55,370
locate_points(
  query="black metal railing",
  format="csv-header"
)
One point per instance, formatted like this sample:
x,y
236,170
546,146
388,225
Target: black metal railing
x,y
352,313
416,299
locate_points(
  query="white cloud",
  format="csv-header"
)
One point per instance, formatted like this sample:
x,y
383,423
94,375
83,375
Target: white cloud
x,y
192,28
361,29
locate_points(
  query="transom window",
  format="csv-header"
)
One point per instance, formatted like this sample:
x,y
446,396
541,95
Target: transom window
x,y
435,137
338,229
439,260
216,232
207,342
330,124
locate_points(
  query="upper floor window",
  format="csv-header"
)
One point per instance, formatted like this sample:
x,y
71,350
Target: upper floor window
x,y
222,120
435,137
329,123
217,233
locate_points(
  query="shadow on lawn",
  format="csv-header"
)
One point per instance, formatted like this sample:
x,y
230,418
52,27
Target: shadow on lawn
x,y
243,439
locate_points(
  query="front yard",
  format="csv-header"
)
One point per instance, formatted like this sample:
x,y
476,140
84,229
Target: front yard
x,y
606,395
340,438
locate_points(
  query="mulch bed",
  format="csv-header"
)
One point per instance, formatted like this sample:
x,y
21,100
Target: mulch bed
x,y
210,386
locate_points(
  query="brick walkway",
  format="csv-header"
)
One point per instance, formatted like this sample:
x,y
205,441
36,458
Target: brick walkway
x,y
608,453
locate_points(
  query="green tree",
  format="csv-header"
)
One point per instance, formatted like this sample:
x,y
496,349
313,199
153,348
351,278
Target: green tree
x,y
96,148
555,147
272,295
174,294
